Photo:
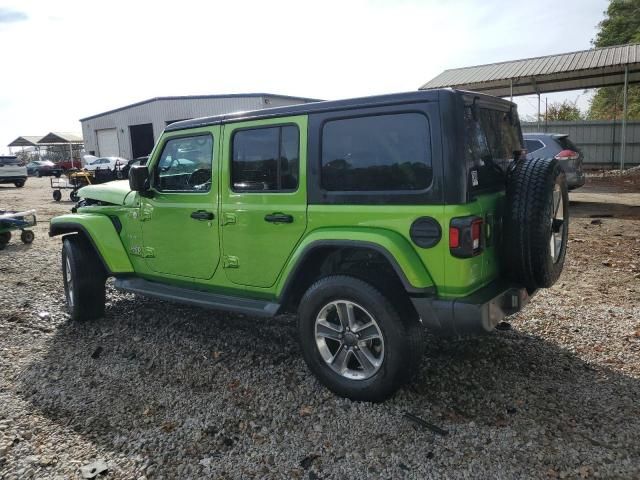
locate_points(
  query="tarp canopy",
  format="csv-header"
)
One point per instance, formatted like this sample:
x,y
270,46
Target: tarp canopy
x,y
598,67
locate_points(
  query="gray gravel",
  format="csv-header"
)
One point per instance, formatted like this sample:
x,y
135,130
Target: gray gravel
x,y
165,391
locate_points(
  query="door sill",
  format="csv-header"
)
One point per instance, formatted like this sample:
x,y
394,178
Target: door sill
x,y
198,298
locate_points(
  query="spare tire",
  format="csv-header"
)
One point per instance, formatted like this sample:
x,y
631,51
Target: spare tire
x,y
536,222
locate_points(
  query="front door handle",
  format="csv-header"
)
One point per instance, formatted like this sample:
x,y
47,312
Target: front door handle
x,y
278,218
202,215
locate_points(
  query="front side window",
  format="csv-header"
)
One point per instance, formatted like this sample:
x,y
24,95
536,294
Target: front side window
x,y
265,159
377,153
185,165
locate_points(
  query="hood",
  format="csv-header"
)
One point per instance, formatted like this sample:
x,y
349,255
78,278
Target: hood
x,y
111,192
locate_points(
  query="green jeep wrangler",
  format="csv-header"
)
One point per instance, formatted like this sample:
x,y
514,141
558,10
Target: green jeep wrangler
x,y
374,219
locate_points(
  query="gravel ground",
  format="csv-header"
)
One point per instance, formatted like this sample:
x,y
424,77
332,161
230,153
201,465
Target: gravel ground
x,y
164,391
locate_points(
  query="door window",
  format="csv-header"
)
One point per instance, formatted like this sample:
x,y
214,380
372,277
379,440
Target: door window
x,y
185,165
265,159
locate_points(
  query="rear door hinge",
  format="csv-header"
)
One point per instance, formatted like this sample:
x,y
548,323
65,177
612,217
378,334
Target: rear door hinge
x,y
228,218
229,261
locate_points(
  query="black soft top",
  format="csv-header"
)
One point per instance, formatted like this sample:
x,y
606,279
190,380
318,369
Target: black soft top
x,y
351,103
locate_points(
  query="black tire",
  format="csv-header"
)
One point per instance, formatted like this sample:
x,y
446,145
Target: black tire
x,y
73,196
85,294
57,195
402,336
529,225
5,237
19,183
27,236
38,173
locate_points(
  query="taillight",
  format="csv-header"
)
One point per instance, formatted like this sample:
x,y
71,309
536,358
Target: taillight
x,y
454,237
567,155
465,236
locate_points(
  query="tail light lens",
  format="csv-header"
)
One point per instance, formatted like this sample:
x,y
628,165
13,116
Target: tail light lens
x,y
567,155
465,236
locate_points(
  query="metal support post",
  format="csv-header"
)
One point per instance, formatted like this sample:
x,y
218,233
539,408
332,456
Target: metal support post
x,y
623,133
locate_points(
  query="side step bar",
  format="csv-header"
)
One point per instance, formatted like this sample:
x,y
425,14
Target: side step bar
x,y
198,298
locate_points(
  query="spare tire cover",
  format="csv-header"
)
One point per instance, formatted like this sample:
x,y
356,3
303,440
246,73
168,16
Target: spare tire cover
x,y
536,222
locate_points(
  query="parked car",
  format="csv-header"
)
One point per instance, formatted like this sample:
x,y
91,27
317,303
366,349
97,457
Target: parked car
x,y
560,147
43,168
69,165
111,163
372,218
12,171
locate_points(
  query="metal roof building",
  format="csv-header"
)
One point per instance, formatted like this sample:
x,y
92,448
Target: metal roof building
x,y
132,130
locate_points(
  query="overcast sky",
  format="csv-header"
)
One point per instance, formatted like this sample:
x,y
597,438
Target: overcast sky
x,y
63,60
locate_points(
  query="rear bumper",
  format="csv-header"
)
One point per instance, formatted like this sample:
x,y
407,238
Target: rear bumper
x,y
17,178
477,313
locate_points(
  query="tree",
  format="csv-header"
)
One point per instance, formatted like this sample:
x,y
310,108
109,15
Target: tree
x,y
562,111
621,25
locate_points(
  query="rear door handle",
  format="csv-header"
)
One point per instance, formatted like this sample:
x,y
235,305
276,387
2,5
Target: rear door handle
x,y
278,218
202,215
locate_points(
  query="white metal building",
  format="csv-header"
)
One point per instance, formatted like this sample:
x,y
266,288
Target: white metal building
x,y
131,131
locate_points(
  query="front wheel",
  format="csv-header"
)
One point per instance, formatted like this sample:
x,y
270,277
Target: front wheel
x,y
356,341
84,279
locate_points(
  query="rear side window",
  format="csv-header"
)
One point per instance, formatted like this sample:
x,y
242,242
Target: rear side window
x,y
377,153
266,159
533,145
492,137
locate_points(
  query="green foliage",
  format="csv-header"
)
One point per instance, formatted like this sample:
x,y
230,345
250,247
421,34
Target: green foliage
x,y
562,111
621,25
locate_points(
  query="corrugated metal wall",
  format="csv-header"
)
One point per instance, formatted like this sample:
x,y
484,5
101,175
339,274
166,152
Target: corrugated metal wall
x,y
598,140
161,111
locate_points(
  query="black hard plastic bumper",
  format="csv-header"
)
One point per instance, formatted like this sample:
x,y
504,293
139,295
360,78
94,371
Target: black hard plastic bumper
x,y
477,313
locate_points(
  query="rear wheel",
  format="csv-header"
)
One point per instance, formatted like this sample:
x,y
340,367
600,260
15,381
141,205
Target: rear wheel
x,y
57,195
356,341
19,183
4,239
84,279
38,173
27,236
73,196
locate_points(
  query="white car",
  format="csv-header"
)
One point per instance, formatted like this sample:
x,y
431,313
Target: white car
x,y
12,171
102,163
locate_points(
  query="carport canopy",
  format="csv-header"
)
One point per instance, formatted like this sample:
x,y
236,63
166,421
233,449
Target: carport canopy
x,y
25,141
595,68
57,138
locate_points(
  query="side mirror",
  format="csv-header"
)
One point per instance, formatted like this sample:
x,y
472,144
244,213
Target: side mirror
x,y
139,178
